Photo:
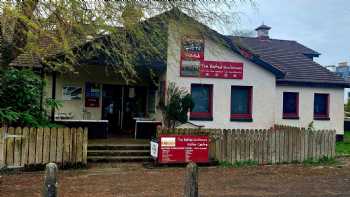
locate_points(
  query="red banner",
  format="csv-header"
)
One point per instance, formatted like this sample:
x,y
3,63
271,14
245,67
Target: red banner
x,y
225,70
183,149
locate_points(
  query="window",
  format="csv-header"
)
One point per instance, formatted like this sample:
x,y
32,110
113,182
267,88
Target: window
x,y
321,106
202,98
241,103
290,105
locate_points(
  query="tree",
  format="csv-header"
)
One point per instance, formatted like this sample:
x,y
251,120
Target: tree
x,y
66,24
178,103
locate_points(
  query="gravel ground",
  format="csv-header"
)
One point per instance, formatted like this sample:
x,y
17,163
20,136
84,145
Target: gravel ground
x,y
121,180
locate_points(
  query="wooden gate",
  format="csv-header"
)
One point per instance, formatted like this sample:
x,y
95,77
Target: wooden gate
x,y
33,146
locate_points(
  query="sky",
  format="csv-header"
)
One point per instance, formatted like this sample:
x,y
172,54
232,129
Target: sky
x,y
323,25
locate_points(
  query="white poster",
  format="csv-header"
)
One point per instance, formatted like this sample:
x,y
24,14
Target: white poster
x,y
72,93
154,149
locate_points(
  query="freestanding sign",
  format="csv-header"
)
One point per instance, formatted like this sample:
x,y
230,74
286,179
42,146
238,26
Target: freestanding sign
x,y
154,149
183,149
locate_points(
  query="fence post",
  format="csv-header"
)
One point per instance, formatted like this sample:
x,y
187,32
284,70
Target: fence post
x,y
191,180
2,147
225,146
50,182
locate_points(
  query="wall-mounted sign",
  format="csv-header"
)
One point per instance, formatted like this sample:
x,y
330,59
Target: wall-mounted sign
x,y
192,48
92,95
190,68
224,70
183,149
92,102
212,69
71,93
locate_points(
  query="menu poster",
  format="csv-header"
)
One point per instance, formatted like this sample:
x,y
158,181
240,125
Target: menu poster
x,y
92,94
192,48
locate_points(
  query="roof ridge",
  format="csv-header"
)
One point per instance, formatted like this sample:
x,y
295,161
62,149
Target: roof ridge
x,y
274,39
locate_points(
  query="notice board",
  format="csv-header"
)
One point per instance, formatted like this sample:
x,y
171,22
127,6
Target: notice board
x,y
183,149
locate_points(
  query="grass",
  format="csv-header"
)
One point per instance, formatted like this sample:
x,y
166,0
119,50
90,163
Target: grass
x,y
343,148
238,164
322,161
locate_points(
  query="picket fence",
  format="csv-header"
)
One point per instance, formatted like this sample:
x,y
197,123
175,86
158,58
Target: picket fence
x,y
280,144
35,146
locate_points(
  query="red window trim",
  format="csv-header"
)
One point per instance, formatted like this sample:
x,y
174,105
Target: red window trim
x,y
250,103
292,115
204,115
322,115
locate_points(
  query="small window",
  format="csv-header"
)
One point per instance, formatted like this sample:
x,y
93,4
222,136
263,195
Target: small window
x,y
202,98
290,105
321,106
241,103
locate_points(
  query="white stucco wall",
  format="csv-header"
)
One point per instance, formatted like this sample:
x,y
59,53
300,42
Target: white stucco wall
x,y
263,83
93,74
306,110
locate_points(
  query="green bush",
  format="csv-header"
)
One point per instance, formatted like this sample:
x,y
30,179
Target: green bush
x,y
20,98
179,102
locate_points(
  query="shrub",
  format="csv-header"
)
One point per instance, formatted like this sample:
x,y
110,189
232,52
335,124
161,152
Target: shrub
x,y
20,98
179,102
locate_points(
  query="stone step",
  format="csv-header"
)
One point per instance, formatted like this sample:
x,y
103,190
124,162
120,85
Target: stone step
x,y
118,153
118,146
119,158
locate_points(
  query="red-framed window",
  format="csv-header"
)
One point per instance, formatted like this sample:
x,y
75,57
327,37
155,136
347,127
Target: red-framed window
x,y
241,103
202,96
321,106
290,105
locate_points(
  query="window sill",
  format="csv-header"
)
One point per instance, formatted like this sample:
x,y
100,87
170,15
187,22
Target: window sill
x,y
322,118
201,118
291,117
241,120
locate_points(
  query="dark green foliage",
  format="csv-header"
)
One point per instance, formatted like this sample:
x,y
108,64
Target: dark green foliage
x,y
20,98
179,102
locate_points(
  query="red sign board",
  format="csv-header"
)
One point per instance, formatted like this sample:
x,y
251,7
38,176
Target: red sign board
x,y
212,69
224,70
192,48
92,102
183,149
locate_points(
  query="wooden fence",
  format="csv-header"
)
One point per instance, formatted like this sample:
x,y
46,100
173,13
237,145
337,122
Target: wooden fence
x,y
33,146
281,144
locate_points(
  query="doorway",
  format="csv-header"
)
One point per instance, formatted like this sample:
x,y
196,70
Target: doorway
x,y
120,105
112,108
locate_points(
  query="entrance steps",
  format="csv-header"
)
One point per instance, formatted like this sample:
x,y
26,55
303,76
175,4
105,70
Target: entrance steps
x,y
118,152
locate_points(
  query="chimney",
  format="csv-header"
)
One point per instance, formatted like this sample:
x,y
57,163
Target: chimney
x,y
263,31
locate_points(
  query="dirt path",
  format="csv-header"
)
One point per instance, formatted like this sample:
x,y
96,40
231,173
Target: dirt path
x,y
134,180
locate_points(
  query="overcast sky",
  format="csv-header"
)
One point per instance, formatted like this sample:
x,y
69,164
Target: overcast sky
x,y
323,25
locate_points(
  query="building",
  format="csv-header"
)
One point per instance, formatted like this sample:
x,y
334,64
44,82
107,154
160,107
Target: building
x,y
343,70
235,82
